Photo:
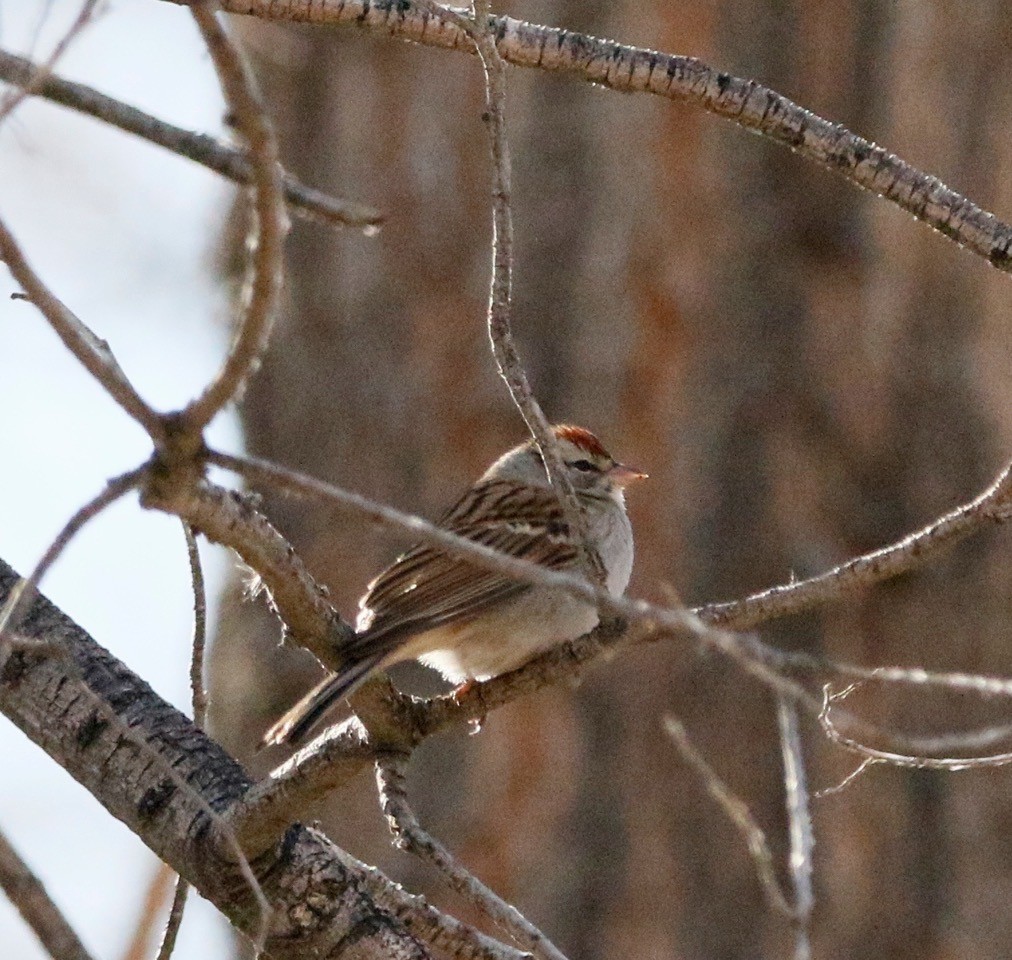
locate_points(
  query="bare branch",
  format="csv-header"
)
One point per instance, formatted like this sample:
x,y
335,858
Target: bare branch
x,y
630,69
199,700
211,153
270,222
737,812
411,836
440,930
93,353
920,762
171,785
990,507
154,900
500,329
230,518
23,594
29,896
40,73
799,820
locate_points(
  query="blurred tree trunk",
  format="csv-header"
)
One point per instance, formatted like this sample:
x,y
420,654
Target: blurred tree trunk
x,y
805,373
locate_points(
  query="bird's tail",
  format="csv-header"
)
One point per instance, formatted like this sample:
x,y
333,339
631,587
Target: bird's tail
x,y
297,722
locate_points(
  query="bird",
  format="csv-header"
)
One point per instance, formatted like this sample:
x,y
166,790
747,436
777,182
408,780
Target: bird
x,y
470,623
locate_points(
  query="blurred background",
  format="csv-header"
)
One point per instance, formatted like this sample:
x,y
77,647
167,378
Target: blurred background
x,y
805,372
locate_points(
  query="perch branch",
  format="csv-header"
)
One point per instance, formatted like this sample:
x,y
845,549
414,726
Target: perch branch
x,y
230,162
630,69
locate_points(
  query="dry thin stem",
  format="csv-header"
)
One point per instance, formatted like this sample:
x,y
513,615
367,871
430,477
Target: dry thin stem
x,y
199,701
500,329
270,222
847,780
737,812
222,158
630,69
419,917
154,899
198,694
411,836
29,896
799,820
24,593
93,352
40,73
918,761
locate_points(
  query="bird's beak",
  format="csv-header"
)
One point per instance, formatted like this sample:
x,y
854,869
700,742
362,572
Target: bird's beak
x,y
623,475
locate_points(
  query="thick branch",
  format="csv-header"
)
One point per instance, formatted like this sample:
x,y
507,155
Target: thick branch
x,y
151,768
630,69
229,161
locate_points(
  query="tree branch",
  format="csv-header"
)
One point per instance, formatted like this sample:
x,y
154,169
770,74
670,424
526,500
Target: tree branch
x,y
151,768
270,221
29,896
630,69
230,162
93,352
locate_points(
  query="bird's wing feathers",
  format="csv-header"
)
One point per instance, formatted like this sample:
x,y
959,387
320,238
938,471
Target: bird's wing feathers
x,y
425,587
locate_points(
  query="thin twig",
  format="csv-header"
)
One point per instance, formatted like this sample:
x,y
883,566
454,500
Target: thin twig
x,y
630,69
26,892
920,762
199,701
412,837
198,694
23,594
201,148
440,930
500,329
270,221
157,890
93,352
41,72
737,812
799,820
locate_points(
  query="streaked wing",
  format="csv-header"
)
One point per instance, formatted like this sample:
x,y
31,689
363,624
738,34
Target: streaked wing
x,y
426,588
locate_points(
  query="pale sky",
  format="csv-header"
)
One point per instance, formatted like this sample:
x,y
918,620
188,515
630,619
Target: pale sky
x,y
122,232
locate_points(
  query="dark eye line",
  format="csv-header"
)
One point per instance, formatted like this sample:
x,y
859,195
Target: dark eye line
x,y
585,465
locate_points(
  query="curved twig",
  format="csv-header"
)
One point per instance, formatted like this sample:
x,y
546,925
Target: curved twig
x,y
270,221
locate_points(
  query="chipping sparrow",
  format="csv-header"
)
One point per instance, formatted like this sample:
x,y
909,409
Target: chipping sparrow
x,y
470,623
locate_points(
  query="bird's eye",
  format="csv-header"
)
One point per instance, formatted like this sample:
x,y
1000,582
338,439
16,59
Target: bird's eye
x,y
585,465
